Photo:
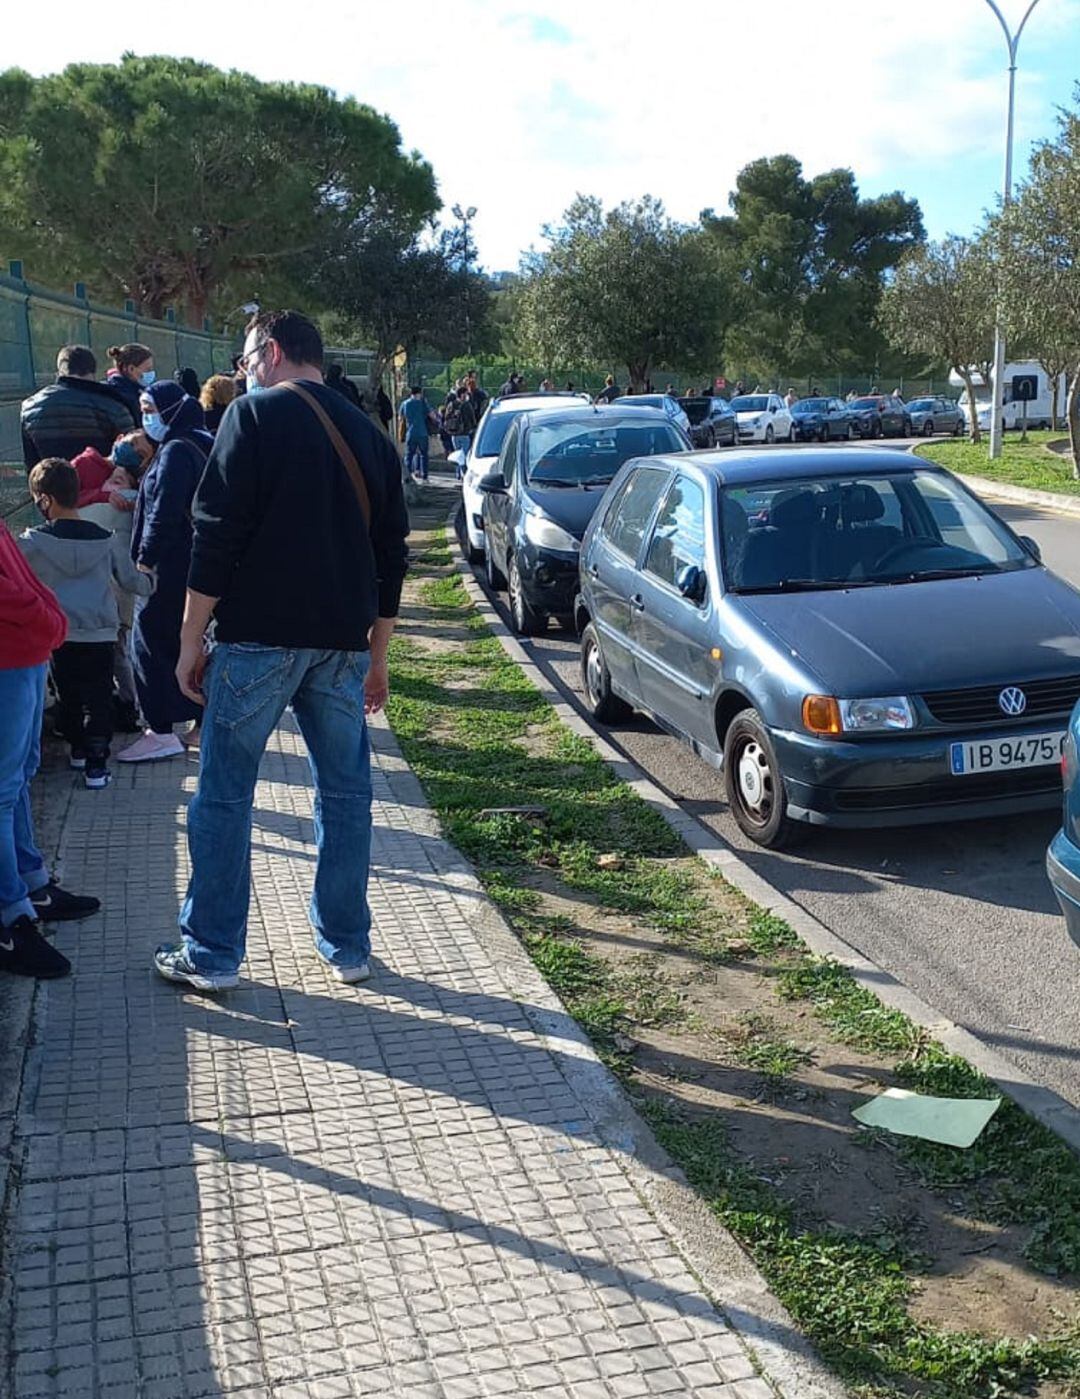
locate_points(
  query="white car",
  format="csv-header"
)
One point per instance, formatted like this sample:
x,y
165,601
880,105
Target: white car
x,y
763,417
483,453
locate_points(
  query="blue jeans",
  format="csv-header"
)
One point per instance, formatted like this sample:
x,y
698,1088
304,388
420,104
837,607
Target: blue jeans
x,y
247,688
22,869
416,456
461,444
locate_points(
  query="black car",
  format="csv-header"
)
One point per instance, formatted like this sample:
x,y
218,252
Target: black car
x,y
879,415
712,421
820,419
553,469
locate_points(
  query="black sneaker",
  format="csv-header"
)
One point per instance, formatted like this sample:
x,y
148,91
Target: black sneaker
x,y
76,760
96,778
55,905
25,952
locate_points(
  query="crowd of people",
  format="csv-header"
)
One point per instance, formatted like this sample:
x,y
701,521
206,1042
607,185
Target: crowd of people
x,y
154,549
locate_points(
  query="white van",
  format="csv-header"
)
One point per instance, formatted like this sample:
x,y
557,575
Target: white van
x,y
1038,408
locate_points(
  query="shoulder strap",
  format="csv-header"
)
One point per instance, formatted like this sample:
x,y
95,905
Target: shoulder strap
x,y
341,447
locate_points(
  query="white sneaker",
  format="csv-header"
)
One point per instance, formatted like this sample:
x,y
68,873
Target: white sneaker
x,y
349,976
150,748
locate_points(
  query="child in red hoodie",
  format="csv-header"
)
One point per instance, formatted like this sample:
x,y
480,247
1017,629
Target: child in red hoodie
x,y
31,627
102,479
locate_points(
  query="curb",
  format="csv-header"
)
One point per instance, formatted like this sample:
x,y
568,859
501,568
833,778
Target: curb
x,y
1016,495
1043,1104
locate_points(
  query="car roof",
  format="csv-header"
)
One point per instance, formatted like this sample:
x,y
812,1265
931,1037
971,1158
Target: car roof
x,y
520,401
734,468
607,413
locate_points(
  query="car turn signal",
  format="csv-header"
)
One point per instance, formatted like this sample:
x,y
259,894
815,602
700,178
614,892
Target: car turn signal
x,y
821,714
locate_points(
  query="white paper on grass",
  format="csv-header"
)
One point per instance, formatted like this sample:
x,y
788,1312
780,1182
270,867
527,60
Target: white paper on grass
x,y
951,1121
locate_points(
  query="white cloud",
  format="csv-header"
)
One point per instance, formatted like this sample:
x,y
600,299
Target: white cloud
x,y
519,108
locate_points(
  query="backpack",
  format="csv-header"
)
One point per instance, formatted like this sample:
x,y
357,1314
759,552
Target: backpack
x,y
454,420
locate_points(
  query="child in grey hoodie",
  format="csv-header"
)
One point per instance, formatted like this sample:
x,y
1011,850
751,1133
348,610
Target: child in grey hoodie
x,y
79,560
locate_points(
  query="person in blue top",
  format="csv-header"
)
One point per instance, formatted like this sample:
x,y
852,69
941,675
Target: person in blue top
x,y
416,415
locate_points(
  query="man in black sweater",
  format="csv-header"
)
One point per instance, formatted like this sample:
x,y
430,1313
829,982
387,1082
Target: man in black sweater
x,y
299,554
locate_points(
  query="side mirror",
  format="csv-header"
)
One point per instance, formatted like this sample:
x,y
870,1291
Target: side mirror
x,y
494,483
1032,546
691,582
456,458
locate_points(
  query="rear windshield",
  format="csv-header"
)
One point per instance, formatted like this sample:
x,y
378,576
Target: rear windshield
x,y
696,409
750,403
867,402
921,404
574,452
811,405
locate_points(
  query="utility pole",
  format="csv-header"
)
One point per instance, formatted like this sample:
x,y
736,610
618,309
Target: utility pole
x,y
998,388
465,217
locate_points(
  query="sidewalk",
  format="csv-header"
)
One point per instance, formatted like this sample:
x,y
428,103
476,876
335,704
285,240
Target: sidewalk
x,y
302,1189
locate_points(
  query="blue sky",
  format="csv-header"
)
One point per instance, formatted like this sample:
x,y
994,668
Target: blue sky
x,y
519,107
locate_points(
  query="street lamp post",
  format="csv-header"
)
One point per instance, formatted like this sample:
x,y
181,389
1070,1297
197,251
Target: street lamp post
x,y
465,217
998,389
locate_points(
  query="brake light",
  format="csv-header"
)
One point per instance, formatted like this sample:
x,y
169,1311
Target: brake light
x,y
821,715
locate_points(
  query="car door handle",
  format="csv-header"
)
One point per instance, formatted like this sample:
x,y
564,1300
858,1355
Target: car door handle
x,y
637,603
593,571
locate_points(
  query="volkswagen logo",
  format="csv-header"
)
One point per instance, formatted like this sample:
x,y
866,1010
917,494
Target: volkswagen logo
x,y
1012,701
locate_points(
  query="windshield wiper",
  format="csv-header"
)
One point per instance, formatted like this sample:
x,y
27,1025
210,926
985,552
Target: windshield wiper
x,y
931,574
806,585
557,481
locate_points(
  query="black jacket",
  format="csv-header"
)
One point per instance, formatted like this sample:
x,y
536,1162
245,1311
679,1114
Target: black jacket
x,y
65,418
127,391
279,535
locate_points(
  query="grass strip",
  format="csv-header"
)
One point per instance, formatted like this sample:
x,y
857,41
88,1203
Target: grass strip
x,y
1029,463
480,737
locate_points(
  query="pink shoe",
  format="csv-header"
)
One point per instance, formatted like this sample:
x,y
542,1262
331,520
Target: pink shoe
x,y
150,748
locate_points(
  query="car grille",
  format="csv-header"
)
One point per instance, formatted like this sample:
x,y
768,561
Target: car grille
x,y
952,791
980,705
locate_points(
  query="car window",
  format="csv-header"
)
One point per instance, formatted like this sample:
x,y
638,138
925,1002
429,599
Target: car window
x,y
581,450
493,430
508,461
678,537
629,513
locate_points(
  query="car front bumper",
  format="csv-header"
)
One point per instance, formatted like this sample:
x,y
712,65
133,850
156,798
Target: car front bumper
x,y
904,781
1063,871
550,578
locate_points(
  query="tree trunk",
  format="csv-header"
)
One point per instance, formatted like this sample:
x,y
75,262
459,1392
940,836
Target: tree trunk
x,y
1054,385
969,384
639,373
1072,412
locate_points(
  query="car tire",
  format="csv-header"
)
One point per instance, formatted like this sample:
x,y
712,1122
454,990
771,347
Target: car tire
x,y
928,428
905,428
755,785
849,433
710,440
875,429
958,430
770,435
492,576
793,435
823,434
526,620
602,703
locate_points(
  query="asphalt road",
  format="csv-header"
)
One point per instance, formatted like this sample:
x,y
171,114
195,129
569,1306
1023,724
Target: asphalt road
x,y
962,913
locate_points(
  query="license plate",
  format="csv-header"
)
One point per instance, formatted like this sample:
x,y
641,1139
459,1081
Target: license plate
x,y
997,754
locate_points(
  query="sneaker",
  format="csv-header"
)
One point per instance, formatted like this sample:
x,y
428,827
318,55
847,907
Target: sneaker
x,y
150,748
349,976
55,905
76,761
171,961
25,952
97,779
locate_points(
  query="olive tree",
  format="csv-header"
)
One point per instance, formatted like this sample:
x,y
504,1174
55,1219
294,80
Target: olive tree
x,y
1037,239
941,304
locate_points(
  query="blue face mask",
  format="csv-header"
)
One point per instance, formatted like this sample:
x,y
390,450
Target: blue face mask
x,y
154,426
126,454
147,377
253,385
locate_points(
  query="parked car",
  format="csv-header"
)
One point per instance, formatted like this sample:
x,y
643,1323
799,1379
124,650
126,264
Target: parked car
x,y
664,401
879,415
1063,857
763,417
821,418
552,471
712,421
931,415
851,636
483,453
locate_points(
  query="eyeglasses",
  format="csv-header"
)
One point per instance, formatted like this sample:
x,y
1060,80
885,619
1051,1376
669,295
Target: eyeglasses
x,y
244,361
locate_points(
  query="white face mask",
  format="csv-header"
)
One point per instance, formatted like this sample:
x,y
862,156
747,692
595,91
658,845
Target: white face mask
x,y
253,385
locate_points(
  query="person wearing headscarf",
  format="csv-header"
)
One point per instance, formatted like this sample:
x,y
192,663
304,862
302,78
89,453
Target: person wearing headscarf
x,y
189,381
161,544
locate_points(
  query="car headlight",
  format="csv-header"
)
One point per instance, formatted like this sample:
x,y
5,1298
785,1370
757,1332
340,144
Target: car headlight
x,y
824,714
546,534
756,422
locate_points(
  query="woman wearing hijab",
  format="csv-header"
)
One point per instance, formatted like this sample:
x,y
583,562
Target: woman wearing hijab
x,y
161,544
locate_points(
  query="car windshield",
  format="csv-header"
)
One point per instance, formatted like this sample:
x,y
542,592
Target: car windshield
x,y
866,402
750,403
576,452
921,405
907,526
811,405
